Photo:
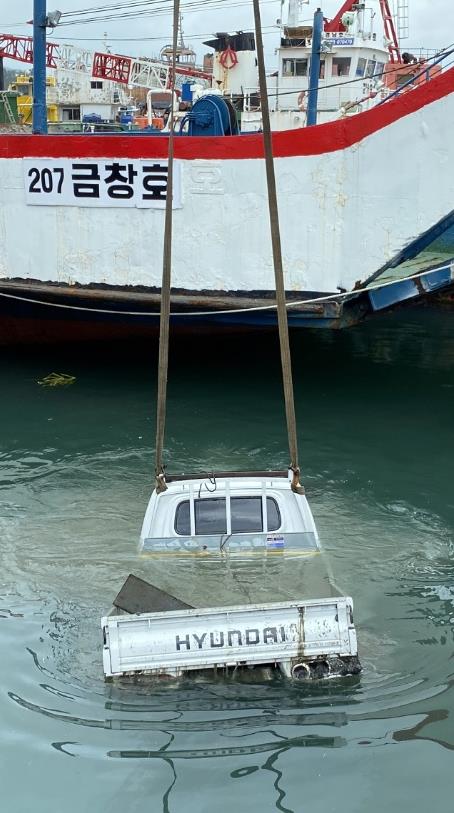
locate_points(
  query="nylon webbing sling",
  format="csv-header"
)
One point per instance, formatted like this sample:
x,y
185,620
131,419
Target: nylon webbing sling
x,y
284,343
163,361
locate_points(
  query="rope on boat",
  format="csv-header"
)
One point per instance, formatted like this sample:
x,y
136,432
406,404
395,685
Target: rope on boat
x,y
284,342
163,360
255,308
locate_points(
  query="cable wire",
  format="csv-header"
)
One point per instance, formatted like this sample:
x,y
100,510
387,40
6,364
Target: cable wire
x,y
187,8
151,39
139,3
227,311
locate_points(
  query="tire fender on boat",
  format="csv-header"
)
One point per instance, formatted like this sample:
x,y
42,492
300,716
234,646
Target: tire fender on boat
x,y
228,58
302,101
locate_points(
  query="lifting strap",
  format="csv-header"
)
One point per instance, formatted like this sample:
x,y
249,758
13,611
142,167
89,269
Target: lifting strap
x,y
163,361
277,258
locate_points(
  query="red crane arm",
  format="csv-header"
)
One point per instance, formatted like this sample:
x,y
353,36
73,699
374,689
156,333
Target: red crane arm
x,y
112,66
388,21
390,31
21,48
336,23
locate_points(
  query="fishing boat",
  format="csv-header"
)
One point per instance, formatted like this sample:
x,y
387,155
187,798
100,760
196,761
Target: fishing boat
x,y
365,204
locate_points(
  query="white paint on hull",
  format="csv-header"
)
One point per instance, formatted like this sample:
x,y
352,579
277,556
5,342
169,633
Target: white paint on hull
x,y
343,215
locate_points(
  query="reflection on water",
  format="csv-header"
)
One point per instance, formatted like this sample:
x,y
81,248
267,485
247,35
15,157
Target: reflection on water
x,y
375,408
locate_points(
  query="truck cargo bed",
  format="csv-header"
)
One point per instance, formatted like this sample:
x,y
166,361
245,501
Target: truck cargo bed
x,y
311,638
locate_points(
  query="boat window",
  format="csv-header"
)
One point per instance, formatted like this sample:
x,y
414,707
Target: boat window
x,y
95,85
370,70
379,68
301,67
361,67
402,78
294,67
70,114
341,66
211,519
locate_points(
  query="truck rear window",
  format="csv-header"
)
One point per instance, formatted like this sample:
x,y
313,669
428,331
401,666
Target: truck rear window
x,y
211,518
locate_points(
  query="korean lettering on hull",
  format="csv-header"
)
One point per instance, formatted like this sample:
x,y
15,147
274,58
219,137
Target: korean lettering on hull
x,y
100,182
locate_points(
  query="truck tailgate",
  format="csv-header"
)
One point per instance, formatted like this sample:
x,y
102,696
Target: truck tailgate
x,y
284,633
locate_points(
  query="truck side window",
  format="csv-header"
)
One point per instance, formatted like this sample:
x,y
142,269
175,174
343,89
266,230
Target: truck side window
x,y
274,515
183,519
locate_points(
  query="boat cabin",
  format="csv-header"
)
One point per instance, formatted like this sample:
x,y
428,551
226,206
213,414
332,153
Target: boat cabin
x,y
358,50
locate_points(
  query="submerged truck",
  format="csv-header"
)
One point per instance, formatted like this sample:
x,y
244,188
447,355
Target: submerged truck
x,y
219,548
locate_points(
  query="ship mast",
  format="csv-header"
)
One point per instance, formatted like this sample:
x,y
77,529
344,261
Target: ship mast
x,y
293,13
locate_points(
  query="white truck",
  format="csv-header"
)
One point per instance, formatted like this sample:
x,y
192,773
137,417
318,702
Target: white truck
x,y
219,548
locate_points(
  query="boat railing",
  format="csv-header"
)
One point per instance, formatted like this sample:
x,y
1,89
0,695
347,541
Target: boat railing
x,y
424,54
332,100
426,73
351,96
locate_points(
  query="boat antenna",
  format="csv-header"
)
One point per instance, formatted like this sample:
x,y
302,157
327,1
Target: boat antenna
x,y
284,342
163,359
180,23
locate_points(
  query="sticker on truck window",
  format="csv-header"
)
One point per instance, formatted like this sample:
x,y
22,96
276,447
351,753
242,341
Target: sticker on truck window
x,y
275,542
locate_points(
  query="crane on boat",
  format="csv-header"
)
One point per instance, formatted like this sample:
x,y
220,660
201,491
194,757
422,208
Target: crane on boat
x,y
125,70
157,73
389,21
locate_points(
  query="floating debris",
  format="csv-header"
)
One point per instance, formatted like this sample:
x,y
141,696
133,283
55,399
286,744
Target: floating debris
x,y
57,380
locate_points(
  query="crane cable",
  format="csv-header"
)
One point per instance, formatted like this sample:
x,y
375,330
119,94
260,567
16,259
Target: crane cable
x,y
163,360
294,303
284,342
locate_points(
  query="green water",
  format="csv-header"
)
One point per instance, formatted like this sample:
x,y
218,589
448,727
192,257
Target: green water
x,y
375,408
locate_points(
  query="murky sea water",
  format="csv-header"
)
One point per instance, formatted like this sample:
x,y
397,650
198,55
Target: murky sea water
x,y
375,411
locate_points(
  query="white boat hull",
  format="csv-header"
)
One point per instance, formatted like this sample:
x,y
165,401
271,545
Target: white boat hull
x,y
353,194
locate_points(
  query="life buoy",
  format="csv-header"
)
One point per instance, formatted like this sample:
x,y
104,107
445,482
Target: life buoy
x,y
302,100
228,58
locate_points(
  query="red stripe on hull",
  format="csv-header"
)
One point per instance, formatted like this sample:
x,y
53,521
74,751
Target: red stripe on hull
x,y
324,138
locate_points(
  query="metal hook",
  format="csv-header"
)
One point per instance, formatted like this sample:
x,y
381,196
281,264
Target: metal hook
x,y
295,485
160,482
